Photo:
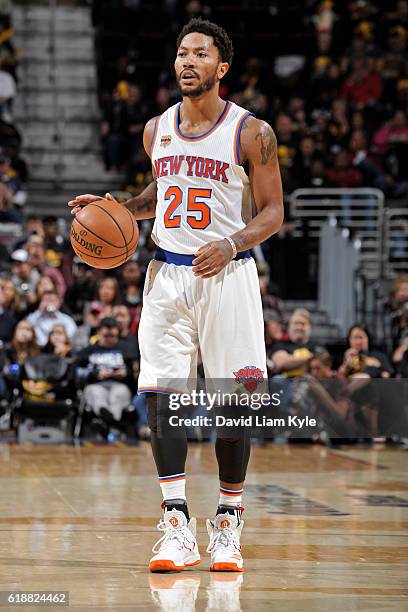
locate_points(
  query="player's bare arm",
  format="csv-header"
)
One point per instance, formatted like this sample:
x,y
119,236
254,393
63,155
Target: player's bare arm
x,y
142,206
259,148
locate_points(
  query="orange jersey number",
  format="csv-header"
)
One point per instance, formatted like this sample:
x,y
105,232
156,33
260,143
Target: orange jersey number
x,y
194,204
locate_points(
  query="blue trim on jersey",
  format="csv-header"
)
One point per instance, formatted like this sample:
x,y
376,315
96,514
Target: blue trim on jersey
x,y
153,135
180,259
227,103
241,123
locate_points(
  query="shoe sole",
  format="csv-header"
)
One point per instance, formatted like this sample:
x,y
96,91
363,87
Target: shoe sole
x,y
166,565
226,567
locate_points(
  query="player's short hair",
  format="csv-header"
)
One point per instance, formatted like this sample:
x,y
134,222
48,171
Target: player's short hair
x,y
221,39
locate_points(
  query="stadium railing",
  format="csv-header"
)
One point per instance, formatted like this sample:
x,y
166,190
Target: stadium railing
x,y
359,210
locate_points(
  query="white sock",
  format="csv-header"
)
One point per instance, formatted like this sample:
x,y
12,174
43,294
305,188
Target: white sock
x,y
229,497
173,486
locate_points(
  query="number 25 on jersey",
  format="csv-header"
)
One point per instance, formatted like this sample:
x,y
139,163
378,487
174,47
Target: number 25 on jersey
x,y
195,204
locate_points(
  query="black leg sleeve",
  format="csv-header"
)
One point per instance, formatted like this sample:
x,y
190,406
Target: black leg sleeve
x,y
233,456
169,453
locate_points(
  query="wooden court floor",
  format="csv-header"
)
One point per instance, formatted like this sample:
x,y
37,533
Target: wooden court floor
x,y
326,530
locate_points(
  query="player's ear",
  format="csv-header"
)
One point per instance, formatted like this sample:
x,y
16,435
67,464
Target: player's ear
x,y
223,68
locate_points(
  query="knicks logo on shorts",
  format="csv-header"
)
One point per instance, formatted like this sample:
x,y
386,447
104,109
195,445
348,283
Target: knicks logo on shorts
x,y
249,376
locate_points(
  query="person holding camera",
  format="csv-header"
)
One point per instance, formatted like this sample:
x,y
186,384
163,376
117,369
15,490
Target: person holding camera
x,y
47,315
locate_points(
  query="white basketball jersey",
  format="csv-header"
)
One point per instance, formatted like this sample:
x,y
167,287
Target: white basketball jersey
x,y
203,193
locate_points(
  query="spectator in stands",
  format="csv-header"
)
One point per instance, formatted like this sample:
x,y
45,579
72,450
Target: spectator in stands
x,y
87,332
292,357
362,87
108,294
274,332
7,319
393,133
338,127
123,125
58,342
47,315
121,314
359,359
33,224
398,305
36,254
131,279
8,213
11,297
82,290
371,174
23,343
303,160
24,277
54,243
343,173
109,373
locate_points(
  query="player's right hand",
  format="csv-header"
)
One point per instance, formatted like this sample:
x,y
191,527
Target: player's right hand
x,y
79,202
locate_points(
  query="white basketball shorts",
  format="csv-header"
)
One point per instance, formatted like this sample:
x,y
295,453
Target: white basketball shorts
x,y
222,316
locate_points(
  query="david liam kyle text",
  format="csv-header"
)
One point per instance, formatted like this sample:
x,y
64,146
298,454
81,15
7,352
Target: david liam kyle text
x,y
254,420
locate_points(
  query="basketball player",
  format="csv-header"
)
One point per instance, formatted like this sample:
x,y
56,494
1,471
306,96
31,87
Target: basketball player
x,y
202,289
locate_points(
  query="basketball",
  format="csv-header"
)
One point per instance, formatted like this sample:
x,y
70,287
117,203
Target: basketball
x,y
104,234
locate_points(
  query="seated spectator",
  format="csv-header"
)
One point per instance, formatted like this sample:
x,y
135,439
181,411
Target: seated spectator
x,y
7,319
398,305
343,173
123,124
13,190
23,343
107,371
393,132
121,314
292,357
87,332
107,294
274,333
54,243
359,360
58,342
11,297
33,224
7,212
49,314
372,175
36,254
362,87
131,285
24,277
82,290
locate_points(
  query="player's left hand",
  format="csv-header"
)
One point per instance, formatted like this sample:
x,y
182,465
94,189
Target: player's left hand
x,y
212,258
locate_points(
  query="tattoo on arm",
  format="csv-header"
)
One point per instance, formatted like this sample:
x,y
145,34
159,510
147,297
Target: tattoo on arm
x,y
268,145
145,201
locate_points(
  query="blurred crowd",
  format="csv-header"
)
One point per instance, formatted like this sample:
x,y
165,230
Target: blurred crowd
x,y
13,169
52,304
331,78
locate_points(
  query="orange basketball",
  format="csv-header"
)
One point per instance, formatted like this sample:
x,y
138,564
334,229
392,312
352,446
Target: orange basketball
x,y
104,234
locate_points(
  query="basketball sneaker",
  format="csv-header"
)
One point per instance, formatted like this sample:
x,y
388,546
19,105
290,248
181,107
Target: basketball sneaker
x,y
174,592
225,546
177,549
